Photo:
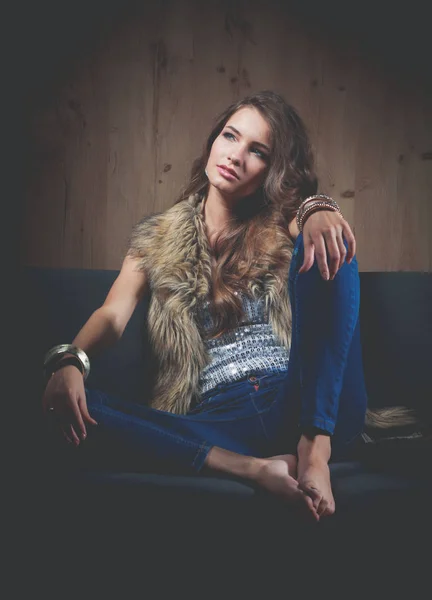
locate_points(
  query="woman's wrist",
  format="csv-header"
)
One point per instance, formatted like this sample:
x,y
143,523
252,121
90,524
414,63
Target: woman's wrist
x,y
67,361
57,356
313,204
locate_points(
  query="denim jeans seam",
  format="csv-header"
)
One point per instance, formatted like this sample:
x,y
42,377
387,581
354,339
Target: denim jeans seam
x,y
328,424
259,413
350,327
296,325
203,446
229,420
349,331
135,421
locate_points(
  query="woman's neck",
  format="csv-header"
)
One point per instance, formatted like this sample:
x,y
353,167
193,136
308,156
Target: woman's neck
x,y
217,212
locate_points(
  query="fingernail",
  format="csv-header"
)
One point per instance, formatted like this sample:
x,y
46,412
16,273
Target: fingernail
x,y
325,275
83,436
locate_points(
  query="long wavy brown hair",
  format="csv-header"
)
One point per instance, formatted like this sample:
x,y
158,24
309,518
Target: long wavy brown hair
x,y
256,242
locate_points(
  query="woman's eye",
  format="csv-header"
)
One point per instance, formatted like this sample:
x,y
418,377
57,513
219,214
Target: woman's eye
x,y
228,135
260,154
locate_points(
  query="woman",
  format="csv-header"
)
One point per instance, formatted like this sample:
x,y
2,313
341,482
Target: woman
x,y
255,338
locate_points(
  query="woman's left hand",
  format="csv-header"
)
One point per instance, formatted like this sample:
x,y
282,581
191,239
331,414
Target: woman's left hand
x,y
323,235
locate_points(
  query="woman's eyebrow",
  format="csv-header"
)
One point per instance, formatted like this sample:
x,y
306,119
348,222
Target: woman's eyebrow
x,y
256,143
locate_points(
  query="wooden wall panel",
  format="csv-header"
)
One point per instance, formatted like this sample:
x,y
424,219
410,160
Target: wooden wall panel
x,y
194,61
393,179
115,139
131,135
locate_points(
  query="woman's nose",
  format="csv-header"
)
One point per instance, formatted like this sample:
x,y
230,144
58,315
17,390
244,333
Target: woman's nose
x,y
235,159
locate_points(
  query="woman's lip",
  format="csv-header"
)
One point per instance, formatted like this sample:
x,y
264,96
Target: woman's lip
x,y
226,174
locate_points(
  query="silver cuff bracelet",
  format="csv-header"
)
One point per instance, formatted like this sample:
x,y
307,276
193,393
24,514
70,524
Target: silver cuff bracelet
x,y
53,355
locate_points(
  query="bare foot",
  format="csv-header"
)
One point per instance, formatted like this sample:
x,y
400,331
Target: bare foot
x,y
291,461
314,473
275,475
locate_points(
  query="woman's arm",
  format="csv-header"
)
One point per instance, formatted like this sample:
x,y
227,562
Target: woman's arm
x,y
65,393
107,324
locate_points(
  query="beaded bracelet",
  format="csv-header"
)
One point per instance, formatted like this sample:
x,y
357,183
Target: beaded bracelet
x,y
313,207
312,198
318,197
315,197
316,206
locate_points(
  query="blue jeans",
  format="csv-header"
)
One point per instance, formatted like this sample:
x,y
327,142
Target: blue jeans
x,y
265,413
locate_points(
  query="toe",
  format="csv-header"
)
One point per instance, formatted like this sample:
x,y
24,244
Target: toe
x,y
309,507
323,506
313,492
330,510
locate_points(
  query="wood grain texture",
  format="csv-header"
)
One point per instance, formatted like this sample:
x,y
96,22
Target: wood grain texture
x,y
114,140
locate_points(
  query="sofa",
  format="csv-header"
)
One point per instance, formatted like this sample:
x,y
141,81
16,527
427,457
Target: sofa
x,y
382,494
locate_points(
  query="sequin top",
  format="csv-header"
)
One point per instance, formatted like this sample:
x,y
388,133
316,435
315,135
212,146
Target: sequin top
x,y
252,346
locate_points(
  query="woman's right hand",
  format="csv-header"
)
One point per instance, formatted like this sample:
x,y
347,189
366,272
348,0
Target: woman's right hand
x,y
64,397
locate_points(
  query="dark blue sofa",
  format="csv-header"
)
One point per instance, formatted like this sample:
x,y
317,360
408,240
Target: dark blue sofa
x,y
383,494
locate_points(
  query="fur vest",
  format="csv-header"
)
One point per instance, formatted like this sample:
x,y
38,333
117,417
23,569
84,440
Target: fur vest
x,y
174,252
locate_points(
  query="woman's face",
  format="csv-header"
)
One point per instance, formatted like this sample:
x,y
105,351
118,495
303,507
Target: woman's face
x,y
242,147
